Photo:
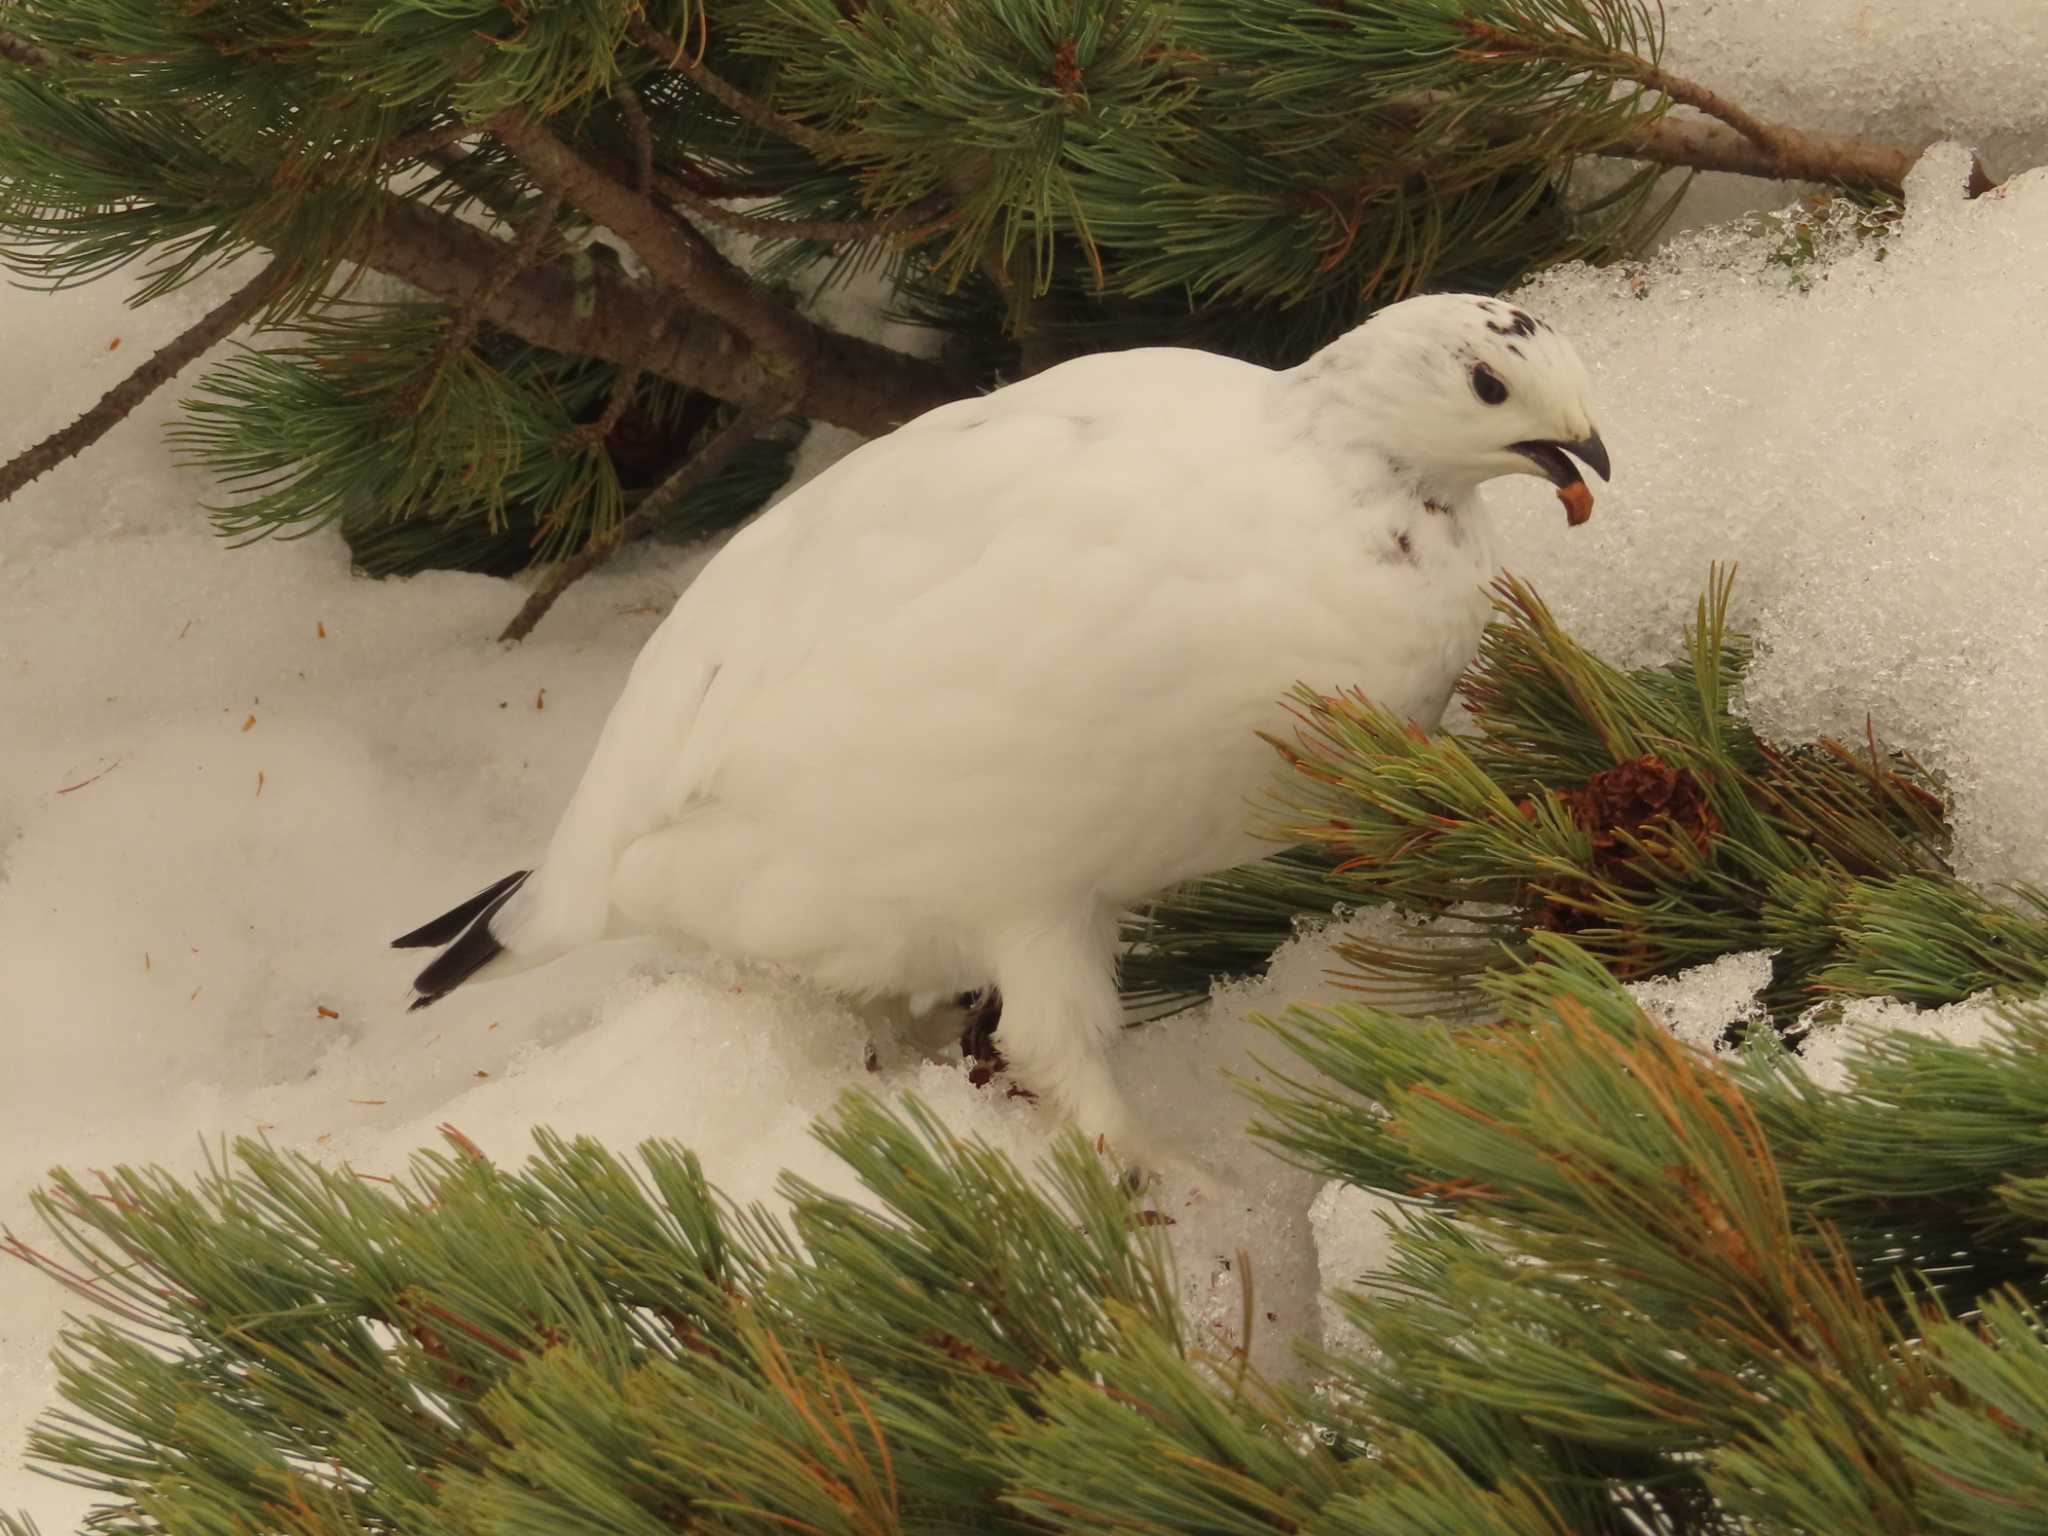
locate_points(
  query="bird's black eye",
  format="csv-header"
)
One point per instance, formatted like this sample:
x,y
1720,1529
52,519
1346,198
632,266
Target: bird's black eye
x,y
1488,385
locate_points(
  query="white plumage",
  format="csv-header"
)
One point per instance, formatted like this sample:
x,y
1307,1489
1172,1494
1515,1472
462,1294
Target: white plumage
x,y
936,719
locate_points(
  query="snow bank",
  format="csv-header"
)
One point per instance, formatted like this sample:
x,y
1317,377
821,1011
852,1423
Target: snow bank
x,y
1825,1052
1887,70
229,777
1884,69
1860,432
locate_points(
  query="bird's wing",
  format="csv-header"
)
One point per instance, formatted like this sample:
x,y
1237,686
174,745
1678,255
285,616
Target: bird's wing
x,y
898,523
907,517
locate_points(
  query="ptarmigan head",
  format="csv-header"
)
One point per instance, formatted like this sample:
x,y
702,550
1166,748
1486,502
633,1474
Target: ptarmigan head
x,y
1457,389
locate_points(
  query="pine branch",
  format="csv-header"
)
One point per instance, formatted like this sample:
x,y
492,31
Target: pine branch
x,y
1752,147
785,344
676,56
19,50
628,377
1798,156
854,383
460,167
462,325
699,467
1632,810
163,366
914,223
425,144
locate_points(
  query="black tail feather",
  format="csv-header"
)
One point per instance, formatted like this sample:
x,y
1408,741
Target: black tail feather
x,y
444,928
471,952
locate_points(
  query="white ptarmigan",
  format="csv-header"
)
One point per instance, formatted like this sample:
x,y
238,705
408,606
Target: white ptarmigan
x,y
936,719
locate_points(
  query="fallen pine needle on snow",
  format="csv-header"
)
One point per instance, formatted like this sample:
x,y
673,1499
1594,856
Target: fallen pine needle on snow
x,y
68,788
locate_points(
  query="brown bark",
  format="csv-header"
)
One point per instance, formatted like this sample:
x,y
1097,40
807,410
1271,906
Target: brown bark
x,y
1748,146
699,467
852,383
1787,154
679,257
164,365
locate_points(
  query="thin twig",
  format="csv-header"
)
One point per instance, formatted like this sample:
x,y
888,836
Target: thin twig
x,y
693,472
459,167
643,137
469,315
676,56
704,184
17,49
163,366
914,222
416,146
1749,147
627,380
1767,137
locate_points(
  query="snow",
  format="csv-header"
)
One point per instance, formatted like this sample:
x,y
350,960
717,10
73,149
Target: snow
x,y
1888,70
1861,436
231,776
1354,1235
228,778
1825,1052
1882,69
1698,1005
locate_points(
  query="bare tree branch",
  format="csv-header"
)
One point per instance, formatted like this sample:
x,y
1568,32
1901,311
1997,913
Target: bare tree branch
x,y
699,467
1690,93
164,365
1700,145
1754,147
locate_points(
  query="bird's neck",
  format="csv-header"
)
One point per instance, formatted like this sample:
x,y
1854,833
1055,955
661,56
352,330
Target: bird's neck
x,y
1339,407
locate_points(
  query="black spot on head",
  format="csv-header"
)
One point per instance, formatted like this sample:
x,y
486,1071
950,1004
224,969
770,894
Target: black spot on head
x,y
1407,548
1520,323
1433,505
1514,349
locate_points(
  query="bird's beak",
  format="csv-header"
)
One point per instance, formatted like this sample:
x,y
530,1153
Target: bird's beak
x,y
1553,459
